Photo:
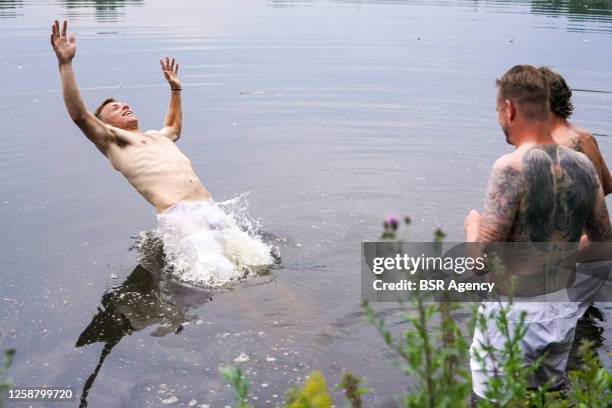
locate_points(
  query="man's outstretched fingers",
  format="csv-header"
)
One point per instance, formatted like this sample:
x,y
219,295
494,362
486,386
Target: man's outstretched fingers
x,y
64,27
176,68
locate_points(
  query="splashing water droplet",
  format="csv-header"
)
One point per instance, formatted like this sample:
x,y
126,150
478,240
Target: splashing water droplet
x,y
204,243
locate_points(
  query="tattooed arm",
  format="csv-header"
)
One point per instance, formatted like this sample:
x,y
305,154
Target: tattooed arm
x,y
599,232
502,200
598,227
606,177
501,205
587,144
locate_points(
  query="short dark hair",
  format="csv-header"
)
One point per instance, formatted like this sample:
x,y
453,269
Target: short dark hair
x,y
560,94
98,110
528,89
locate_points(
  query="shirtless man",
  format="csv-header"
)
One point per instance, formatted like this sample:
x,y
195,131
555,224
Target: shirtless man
x,y
201,241
590,277
541,192
566,133
150,160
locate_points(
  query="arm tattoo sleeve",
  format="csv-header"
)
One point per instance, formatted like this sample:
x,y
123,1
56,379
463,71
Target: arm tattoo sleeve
x,y
501,203
598,224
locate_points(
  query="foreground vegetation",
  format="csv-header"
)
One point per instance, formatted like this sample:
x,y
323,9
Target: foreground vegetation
x,y
5,383
433,353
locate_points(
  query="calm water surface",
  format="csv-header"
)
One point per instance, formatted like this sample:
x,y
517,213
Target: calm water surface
x,y
330,113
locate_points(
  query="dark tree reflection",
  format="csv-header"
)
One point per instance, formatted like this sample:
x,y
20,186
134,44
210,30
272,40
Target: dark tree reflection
x,y
104,10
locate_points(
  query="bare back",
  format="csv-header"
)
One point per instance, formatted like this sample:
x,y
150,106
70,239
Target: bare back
x,y
560,190
567,134
155,167
544,193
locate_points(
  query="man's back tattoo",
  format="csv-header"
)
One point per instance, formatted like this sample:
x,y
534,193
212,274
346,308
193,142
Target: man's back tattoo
x,y
560,192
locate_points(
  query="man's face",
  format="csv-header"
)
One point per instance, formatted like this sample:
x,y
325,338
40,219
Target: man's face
x,y
504,116
120,115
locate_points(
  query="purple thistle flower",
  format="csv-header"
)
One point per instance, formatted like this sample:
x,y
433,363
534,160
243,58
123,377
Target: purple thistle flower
x,y
392,222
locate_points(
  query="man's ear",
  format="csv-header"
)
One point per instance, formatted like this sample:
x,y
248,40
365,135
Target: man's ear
x,y
510,109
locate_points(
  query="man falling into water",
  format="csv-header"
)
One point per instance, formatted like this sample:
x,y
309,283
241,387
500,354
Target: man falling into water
x,y
191,222
541,192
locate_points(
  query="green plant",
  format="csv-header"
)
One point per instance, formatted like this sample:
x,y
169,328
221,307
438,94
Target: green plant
x,y
313,393
592,385
5,383
509,385
352,390
236,379
433,354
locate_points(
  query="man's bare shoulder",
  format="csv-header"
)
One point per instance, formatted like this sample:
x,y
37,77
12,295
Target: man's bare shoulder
x,y
580,132
515,159
581,140
509,161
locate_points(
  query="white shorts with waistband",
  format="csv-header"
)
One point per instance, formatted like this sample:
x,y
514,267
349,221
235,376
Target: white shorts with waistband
x,y
550,325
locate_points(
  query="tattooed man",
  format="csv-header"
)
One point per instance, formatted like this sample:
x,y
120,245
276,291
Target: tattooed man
x,y
566,133
541,192
590,277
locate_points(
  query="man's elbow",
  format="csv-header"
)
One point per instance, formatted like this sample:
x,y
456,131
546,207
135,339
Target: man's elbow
x,y
79,118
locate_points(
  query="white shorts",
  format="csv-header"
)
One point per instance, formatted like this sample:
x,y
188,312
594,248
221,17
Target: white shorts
x,y
550,325
204,245
191,232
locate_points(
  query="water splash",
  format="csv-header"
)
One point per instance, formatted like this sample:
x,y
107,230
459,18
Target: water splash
x,y
206,243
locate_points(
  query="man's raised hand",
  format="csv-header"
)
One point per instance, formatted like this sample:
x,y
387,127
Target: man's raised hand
x,y
170,70
62,45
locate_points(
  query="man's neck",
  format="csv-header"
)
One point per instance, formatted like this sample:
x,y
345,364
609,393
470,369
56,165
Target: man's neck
x,y
537,132
557,122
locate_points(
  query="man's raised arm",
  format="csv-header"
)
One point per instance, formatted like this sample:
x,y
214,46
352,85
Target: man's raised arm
x,y
65,50
174,115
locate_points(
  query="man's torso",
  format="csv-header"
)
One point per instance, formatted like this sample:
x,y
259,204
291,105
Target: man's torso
x,y
156,168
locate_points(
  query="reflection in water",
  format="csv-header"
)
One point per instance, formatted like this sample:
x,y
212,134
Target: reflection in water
x,y
575,10
143,300
573,7
9,8
105,10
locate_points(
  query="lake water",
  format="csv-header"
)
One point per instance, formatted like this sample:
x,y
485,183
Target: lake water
x,y
331,114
